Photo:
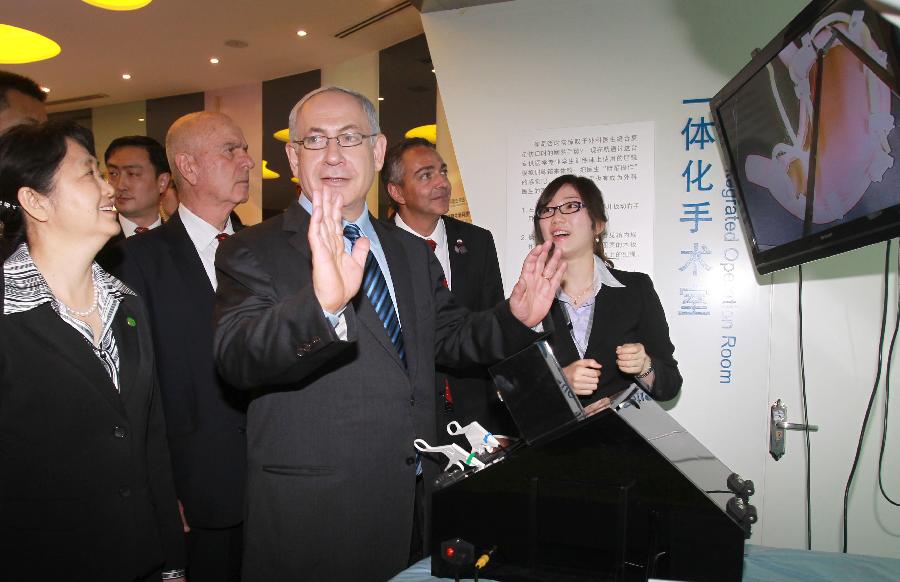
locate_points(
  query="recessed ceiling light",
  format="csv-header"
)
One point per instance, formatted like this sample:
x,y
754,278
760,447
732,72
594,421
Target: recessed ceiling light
x,y
381,98
126,76
118,4
140,119
214,61
301,33
19,46
45,89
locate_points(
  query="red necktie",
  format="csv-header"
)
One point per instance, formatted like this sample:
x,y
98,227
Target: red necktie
x,y
433,246
140,230
222,236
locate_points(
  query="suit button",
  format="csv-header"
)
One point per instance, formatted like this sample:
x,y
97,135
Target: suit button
x,y
315,340
410,460
125,492
302,350
119,432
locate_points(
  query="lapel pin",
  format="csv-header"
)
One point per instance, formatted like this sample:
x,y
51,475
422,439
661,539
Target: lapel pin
x,y
460,247
131,322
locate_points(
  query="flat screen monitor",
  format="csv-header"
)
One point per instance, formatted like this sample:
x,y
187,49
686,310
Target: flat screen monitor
x,y
808,132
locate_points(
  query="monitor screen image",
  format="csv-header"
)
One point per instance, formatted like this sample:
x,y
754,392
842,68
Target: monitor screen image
x,y
809,132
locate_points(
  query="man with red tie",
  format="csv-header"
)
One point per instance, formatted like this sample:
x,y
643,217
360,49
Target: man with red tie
x,y
415,176
172,269
136,167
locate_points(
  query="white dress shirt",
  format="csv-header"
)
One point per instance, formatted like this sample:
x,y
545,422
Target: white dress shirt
x,y
128,227
439,236
203,235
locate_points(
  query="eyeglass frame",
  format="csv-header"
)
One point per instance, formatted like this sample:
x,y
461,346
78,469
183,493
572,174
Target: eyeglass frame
x,y
363,137
555,209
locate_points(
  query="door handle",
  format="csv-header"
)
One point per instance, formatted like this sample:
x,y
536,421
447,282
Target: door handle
x,y
778,424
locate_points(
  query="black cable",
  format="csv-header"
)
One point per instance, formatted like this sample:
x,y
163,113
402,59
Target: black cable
x,y
803,405
887,400
862,431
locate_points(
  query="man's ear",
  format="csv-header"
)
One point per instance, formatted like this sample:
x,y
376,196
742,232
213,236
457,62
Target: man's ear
x,y
33,203
396,193
187,166
380,147
293,159
162,182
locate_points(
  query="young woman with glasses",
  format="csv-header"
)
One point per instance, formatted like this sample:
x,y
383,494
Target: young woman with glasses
x,y
609,327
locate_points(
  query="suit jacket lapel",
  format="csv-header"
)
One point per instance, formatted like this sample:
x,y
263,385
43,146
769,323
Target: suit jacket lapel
x,y
606,308
564,350
459,262
405,302
296,220
127,344
185,256
63,341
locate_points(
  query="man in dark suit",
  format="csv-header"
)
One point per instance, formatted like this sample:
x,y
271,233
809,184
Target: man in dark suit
x,y
171,268
136,166
415,176
339,344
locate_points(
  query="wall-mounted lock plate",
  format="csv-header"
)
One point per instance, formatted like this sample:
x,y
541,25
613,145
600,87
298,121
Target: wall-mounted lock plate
x,y
776,434
778,424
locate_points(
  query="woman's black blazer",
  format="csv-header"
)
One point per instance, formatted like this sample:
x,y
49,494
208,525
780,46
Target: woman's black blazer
x,y
86,487
629,314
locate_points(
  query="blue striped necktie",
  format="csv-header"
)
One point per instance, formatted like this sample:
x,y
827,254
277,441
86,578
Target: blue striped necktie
x,y
377,291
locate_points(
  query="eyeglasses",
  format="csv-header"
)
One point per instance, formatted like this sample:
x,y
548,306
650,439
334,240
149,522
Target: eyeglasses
x,y
345,140
567,208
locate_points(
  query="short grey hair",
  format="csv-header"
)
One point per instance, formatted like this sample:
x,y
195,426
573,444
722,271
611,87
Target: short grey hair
x,y
364,102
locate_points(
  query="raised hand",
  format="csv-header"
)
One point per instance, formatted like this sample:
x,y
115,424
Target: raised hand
x,y
336,274
536,288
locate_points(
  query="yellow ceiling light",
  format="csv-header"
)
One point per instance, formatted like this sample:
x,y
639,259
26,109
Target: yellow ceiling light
x,y
118,4
428,132
19,46
267,173
283,135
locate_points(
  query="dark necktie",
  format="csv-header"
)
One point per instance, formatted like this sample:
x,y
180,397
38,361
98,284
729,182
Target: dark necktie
x,y
222,236
140,230
375,286
433,246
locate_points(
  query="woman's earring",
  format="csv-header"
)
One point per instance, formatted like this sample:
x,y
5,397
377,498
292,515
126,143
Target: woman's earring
x,y
597,238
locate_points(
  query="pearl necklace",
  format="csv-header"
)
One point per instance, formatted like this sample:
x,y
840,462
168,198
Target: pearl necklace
x,y
88,311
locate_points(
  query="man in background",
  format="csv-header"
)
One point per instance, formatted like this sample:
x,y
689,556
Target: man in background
x,y
137,168
415,176
21,101
171,268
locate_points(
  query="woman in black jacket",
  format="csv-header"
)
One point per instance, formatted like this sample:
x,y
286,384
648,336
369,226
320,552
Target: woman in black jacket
x,y
610,329
85,481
